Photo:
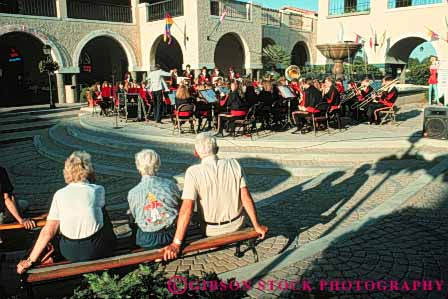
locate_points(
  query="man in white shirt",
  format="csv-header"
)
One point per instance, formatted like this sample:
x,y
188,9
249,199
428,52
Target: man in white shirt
x,y
222,193
157,87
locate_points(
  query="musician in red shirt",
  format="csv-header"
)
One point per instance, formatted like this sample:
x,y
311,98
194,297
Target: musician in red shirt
x,y
203,77
215,74
340,86
188,73
232,75
385,100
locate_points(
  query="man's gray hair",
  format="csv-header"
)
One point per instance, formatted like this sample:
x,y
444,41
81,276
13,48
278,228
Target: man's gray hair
x,y
147,162
206,145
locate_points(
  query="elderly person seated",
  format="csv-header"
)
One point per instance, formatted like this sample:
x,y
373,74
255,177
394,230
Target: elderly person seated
x,y
77,210
154,203
220,189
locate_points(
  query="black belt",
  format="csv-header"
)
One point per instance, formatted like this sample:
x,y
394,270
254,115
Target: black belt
x,y
224,222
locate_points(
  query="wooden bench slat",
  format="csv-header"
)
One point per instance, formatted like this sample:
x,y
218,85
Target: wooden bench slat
x,y
76,269
40,222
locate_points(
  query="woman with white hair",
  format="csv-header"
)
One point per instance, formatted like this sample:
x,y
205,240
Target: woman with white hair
x,y
154,203
77,210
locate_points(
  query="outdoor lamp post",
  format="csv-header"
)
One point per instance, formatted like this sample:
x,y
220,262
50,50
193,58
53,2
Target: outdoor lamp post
x,y
49,66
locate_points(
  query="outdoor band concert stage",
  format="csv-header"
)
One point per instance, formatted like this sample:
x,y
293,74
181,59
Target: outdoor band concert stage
x,y
408,127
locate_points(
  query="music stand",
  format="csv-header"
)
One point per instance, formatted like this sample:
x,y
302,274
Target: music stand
x,y
210,96
224,90
287,94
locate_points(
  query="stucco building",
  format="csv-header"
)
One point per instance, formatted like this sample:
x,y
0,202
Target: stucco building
x,y
395,27
93,40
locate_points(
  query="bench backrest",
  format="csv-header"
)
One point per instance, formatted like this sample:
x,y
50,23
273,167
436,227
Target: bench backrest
x,y
76,269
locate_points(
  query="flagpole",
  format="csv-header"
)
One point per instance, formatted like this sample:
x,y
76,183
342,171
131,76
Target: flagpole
x,y
213,31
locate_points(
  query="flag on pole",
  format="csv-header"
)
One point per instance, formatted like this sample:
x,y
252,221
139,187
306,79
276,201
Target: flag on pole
x,y
383,38
358,38
371,42
223,16
433,36
168,24
446,22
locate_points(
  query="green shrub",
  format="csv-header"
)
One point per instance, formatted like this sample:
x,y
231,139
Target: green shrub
x,y
147,282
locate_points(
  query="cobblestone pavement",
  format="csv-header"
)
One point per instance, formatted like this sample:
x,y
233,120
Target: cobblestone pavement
x,y
300,199
409,244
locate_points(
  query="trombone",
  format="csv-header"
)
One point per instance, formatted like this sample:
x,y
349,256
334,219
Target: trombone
x,y
373,95
350,93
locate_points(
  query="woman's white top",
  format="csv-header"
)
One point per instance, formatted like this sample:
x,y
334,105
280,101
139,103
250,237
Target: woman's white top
x,y
78,208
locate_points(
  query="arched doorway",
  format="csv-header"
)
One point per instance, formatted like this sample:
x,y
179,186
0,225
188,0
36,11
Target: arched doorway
x,y
102,59
229,52
299,54
168,56
21,82
397,57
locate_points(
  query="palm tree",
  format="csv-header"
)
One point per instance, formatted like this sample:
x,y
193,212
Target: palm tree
x,y
275,55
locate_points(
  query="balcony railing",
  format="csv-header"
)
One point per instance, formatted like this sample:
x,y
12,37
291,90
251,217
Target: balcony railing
x,y
271,17
157,11
78,9
45,8
301,23
341,7
406,3
235,9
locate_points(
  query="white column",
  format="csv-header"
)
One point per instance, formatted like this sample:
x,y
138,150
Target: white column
x,y
60,88
61,8
249,72
75,84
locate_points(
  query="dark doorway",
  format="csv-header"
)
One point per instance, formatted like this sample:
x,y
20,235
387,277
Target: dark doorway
x,y
100,58
229,52
299,55
168,56
21,83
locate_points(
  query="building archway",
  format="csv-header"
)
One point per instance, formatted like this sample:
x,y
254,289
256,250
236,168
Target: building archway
x,y
230,52
102,59
58,52
121,41
21,82
300,54
168,56
397,56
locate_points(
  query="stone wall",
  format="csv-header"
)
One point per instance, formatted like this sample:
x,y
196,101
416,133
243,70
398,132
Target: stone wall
x,y
69,35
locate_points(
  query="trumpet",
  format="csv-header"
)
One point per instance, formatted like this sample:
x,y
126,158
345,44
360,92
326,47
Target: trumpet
x,y
373,95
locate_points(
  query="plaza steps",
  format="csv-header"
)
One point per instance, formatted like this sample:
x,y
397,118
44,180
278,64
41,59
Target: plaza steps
x,y
23,121
114,154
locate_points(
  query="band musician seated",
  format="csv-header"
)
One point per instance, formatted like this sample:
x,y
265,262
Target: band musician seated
x,y
385,100
238,108
312,98
331,94
219,187
361,93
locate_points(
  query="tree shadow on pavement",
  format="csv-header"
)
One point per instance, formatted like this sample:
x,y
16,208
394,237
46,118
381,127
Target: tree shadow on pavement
x,y
401,243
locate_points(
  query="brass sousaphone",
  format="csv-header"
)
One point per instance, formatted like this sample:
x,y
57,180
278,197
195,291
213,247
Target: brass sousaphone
x,y
292,72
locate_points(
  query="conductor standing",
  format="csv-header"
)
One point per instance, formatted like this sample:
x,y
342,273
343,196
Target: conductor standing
x,y
157,86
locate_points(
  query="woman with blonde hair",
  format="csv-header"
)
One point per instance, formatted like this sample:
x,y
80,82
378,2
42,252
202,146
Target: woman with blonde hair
x,y
78,212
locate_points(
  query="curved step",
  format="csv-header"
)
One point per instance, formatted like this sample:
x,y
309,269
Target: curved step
x,y
70,137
